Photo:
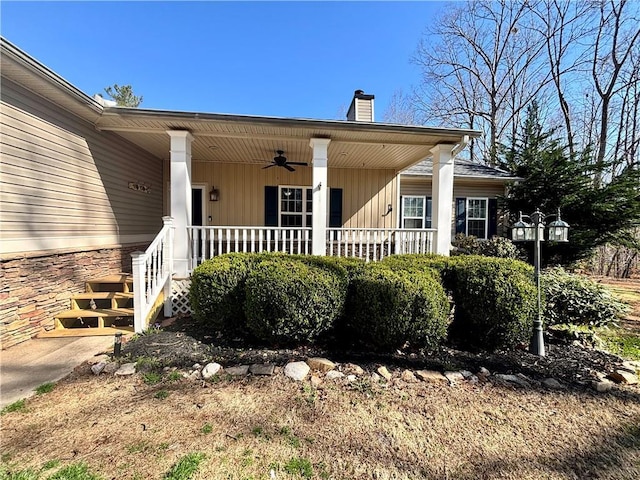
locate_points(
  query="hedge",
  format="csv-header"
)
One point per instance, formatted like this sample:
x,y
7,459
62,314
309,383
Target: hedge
x,y
289,300
217,292
495,302
283,298
388,308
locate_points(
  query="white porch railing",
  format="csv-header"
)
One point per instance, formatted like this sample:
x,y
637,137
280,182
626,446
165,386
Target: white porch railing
x,y
153,268
373,244
152,275
209,242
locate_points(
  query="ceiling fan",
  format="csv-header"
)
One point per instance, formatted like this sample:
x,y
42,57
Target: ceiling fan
x,y
281,161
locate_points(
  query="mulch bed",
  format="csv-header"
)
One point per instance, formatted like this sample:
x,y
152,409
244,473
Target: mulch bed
x,y
185,342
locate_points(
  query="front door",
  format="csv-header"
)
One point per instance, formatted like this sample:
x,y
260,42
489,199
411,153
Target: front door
x,y
197,218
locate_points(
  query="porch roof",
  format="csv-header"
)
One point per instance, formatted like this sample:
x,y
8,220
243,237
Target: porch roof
x,y
464,169
226,138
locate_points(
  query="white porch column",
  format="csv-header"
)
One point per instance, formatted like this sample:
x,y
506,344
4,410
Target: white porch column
x,y
180,198
442,193
319,192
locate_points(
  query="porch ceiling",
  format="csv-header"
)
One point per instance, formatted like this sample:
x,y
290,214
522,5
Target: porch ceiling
x,y
253,140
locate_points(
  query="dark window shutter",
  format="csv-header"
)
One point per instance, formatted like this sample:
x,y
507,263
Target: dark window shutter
x,y
493,217
335,207
401,215
270,206
429,214
461,215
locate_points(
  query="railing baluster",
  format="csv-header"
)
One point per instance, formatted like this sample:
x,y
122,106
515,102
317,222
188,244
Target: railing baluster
x,y
203,244
368,243
376,252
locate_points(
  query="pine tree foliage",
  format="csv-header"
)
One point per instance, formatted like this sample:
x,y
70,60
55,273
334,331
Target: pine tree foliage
x,y
552,178
123,95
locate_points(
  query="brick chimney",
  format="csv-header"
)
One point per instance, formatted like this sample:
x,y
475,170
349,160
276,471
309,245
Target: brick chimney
x,y
361,109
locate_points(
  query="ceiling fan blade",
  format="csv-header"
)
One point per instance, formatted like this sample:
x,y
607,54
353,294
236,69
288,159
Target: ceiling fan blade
x,y
298,163
269,166
291,169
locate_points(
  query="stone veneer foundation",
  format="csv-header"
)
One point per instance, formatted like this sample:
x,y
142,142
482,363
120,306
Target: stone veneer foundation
x,y
35,288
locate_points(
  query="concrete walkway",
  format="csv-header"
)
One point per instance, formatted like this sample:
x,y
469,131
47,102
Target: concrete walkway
x,y
28,365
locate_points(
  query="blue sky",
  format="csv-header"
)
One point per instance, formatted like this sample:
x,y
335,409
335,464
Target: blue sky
x,y
293,59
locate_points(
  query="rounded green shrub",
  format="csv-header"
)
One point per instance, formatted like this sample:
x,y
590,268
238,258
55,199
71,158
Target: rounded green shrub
x,y
387,308
576,299
495,302
499,247
217,291
290,300
416,262
344,266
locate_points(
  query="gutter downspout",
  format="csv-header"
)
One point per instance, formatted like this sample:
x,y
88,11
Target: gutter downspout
x,y
460,146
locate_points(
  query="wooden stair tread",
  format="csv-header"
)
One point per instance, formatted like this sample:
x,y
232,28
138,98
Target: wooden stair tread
x,y
98,312
101,295
118,278
85,332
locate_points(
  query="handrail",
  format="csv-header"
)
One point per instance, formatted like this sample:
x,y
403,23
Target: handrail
x,y
152,276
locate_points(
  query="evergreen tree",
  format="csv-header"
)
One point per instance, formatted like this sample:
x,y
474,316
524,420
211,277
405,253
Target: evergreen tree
x,y
552,178
123,95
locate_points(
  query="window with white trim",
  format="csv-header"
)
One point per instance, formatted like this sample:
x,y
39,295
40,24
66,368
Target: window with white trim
x,y
477,217
416,211
295,206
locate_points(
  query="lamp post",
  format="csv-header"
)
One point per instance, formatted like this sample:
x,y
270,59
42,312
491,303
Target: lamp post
x,y
557,231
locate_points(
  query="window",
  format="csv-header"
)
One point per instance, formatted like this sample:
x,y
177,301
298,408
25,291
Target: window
x,y
295,206
416,212
477,217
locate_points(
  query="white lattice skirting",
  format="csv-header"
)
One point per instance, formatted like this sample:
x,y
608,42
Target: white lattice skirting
x,y
180,296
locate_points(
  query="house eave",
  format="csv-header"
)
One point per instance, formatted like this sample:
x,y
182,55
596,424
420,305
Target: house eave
x,y
475,177
454,133
15,61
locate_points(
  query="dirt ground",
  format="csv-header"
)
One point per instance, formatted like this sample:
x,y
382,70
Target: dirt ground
x,y
249,427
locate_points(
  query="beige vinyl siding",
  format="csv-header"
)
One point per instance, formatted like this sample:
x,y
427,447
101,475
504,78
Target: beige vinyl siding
x,y
65,185
366,193
365,196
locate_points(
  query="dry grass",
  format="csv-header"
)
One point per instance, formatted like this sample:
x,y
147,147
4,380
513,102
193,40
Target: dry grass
x,y
628,290
248,427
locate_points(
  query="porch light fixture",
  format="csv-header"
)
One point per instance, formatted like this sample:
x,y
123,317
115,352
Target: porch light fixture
x,y
521,231
214,194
